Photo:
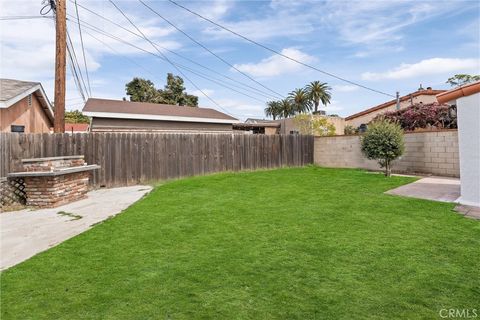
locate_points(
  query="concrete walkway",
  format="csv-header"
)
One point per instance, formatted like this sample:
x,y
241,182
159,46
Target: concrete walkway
x,y
25,233
431,188
438,189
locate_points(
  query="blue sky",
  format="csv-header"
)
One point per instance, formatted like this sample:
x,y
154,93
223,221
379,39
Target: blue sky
x,y
386,45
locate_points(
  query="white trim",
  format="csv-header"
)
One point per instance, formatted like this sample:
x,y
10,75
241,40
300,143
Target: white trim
x,y
156,117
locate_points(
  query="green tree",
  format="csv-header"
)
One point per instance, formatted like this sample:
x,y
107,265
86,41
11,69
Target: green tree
x,y
76,116
142,90
313,125
286,108
273,109
462,79
174,92
300,100
318,92
383,141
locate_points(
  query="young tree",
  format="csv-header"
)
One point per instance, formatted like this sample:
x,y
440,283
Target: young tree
x,y
383,141
318,92
462,79
313,125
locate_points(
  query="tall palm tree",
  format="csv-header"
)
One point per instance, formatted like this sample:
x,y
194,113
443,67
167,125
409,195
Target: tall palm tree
x,y
286,108
300,100
318,92
273,109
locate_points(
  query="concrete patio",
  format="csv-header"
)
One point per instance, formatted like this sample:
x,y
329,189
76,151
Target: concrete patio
x,y
25,233
438,189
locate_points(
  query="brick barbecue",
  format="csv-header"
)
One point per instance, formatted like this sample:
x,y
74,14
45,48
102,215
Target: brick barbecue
x,y
53,181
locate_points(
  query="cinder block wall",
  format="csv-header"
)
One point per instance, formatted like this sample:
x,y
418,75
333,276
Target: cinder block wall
x,y
432,152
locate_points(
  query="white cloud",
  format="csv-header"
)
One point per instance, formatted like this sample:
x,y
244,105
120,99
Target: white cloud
x,y
425,67
344,88
28,46
276,65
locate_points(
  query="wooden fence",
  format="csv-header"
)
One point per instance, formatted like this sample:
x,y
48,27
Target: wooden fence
x,y
131,158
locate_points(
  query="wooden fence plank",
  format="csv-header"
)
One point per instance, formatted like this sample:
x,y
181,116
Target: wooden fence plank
x,y
130,158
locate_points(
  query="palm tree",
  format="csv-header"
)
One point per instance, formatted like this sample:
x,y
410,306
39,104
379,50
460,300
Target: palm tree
x,y
285,108
318,92
300,101
273,109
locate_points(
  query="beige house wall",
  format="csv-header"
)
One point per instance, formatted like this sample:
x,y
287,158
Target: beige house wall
x,y
365,119
288,125
432,152
25,113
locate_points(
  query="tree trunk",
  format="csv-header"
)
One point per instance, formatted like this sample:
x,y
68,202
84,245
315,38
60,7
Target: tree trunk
x,y
388,169
316,106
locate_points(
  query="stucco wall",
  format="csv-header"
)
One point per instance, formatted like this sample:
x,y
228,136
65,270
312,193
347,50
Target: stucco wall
x,y
425,152
468,112
26,114
288,125
356,122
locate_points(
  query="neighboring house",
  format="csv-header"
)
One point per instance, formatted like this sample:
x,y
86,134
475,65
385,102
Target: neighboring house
x,y
127,116
420,96
467,100
264,127
24,107
287,126
76,127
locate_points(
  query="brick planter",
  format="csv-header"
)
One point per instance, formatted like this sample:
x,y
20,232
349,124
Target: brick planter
x,y
50,182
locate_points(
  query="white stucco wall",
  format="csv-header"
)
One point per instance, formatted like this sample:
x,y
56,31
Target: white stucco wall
x,y
468,111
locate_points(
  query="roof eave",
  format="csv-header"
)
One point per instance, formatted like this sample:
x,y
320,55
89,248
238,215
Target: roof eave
x,y
118,115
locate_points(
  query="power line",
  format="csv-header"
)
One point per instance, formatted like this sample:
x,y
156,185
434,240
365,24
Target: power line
x,y
196,72
162,54
210,51
183,67
83,49
278,52
76,65
263,93
73,68
23,17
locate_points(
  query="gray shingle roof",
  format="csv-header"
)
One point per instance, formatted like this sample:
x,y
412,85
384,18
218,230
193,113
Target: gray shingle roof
x,y
10,88
153,109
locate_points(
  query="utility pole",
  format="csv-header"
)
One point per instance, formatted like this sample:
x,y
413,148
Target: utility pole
x,y
398,100
60,65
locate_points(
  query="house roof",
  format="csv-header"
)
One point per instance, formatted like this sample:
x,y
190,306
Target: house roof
x,y
427,92
76,127
103,108
466,90
12,91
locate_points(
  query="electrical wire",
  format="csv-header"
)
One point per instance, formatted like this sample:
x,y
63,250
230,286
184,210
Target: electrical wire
x,y
83,49
76,64
278,52
261,92
210,51
168,60
183,67
23,17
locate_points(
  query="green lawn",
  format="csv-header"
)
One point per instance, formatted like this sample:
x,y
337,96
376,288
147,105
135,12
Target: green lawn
x,y
300,243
